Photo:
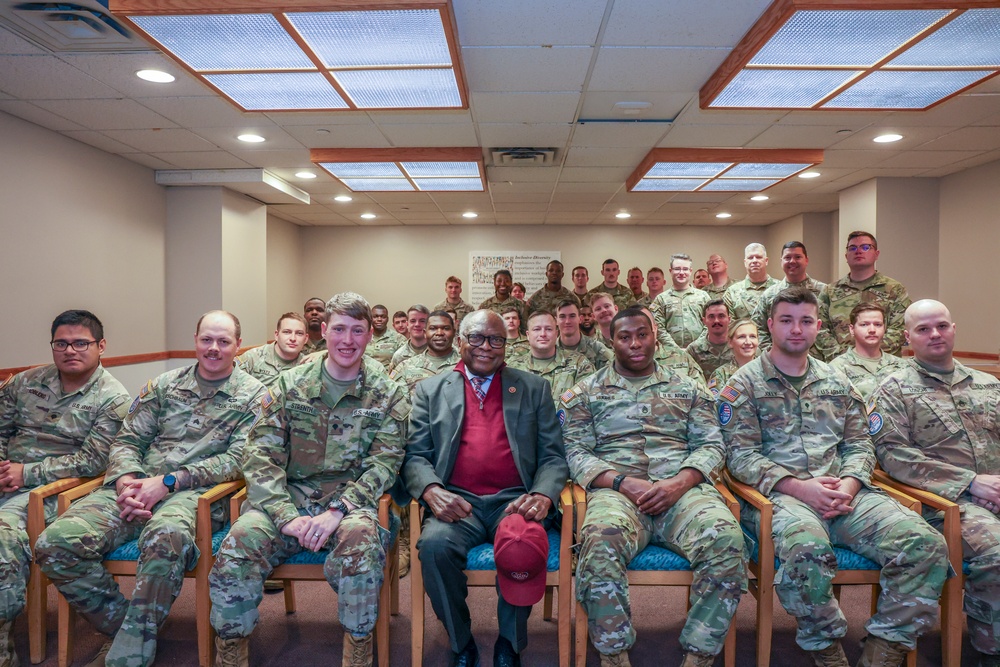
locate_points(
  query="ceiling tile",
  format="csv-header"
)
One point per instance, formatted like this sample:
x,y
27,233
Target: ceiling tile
x,y
619,134
711,136
115,114
925,159
102,141
966,138
523,207
203,160
199,111
422,117
117,70
339,136
161,141
604,157
559,69
430,135
528,22
981,159
541,135
665,106
510,197
515,174
681,23
319,118
591,188
150,161
677,70
48,78
527,107
595,174
836,157
225,137
797,136
913,136
38,116
520,218
11,44
956,112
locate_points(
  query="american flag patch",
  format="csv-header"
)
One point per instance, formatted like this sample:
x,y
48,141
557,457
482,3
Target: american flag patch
x,y
146,389
567,395
266,400
729,393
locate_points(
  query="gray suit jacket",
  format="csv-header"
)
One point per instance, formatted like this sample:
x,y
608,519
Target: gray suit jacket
x,y
435,430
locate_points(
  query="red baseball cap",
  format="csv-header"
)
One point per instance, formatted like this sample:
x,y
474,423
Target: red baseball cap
x,y
521,551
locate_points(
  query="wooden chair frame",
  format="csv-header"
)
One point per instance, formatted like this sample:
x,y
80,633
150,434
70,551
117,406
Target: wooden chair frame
x,y
763,570
648,578
952,596
388,596
560,580
37,581
203,539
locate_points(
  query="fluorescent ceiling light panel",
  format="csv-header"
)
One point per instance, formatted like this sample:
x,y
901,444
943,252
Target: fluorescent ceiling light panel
x,y
404,169
306,57
801,54
718,169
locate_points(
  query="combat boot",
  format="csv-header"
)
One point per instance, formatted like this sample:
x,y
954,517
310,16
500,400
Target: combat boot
x,y
232,652
102,655
615,659
880,652
358,650
831,656
8,656
692,659
404,555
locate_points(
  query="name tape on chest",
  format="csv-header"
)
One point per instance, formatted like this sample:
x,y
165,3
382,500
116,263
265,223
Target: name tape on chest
x,y
367,412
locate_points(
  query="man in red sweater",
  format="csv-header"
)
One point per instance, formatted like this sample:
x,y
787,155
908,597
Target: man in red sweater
x,y
484,444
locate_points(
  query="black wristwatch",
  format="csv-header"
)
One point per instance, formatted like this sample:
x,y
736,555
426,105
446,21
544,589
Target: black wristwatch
x,y
617,484
170,481
340,506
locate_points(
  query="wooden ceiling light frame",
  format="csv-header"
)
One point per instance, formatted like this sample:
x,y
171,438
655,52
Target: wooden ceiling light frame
x,y
807,156
125,8
781,11
318,156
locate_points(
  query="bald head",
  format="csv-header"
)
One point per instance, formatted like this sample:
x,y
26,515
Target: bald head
x,y
923,307
930,333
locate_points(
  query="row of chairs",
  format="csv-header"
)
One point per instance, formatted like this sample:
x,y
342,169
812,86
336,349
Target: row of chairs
x,y
654,566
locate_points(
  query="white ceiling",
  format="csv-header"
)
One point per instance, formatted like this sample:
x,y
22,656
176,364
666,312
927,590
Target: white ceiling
x,y
540,73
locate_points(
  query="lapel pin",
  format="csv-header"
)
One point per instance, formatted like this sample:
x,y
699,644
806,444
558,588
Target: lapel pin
x,y
512,390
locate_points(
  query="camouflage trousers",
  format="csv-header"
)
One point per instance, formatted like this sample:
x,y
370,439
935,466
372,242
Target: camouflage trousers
x,y
912,555
15,552
255,546
699,527
71,550
981,551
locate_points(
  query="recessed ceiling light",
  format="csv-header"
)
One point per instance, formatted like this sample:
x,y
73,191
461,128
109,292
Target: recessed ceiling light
x,y
723,215
470,214
623,216
368,216
155,76
887,138
809,174
342,198
305,174
251,138
759,198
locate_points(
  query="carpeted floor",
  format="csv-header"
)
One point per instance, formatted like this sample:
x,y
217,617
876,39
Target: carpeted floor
x,y
312,637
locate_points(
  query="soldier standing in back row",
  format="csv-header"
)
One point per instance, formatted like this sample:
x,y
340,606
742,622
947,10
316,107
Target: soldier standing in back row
x,y
678,311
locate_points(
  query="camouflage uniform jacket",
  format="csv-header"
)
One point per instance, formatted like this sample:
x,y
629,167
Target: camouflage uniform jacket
x,y
548,301
708,355
592,350
562,371
774,431
170,426
306,453
718,292
461,309
837,300
678,314
720,377
382,348
763,309
853,366
498,306
621,295
423,366
312,346
742,297
644,301
264,363
650,431
679,361
934,432
57,435
404,353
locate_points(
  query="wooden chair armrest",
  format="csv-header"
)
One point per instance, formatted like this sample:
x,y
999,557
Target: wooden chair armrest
x,y
77,492
932,500
566,498
757,500
580,506
235,503
729,498
752,496
203,517
899,496
384,507
416,514
36,503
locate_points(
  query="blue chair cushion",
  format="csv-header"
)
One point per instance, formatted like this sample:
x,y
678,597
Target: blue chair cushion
x,y
130,550
846,559
659,559
481,557
306,557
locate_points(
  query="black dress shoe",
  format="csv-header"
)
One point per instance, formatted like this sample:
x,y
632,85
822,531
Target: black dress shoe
x,y
504,654
469,657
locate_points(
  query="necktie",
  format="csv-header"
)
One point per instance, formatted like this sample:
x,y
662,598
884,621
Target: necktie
x,y
477,385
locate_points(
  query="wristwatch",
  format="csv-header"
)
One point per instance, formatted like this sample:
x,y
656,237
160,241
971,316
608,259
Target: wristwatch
x,y
169,481
340,506
617,484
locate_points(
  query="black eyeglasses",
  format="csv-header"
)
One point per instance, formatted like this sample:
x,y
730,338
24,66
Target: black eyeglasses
x,y
78,345
476,340
865,247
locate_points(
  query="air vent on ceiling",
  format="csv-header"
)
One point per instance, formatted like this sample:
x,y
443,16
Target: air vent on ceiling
x,y
523,157
67,27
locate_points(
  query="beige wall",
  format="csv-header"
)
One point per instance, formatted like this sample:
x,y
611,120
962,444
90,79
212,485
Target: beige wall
x,y
399,266
81,229
244,265
284,275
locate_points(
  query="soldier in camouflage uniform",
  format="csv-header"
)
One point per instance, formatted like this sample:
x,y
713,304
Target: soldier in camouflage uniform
x,y
674,357
572,339
562,368
798,433
862,284
56,421
718,269
439,356
503,282
656,282
267,361
865,364
316,463
634,280
184,433
742,341
794,262
552,293
678,310
515,328
314,311
385,341
580,276
936,426
642,441
742,296
711,348
416,331
453,299
620,294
